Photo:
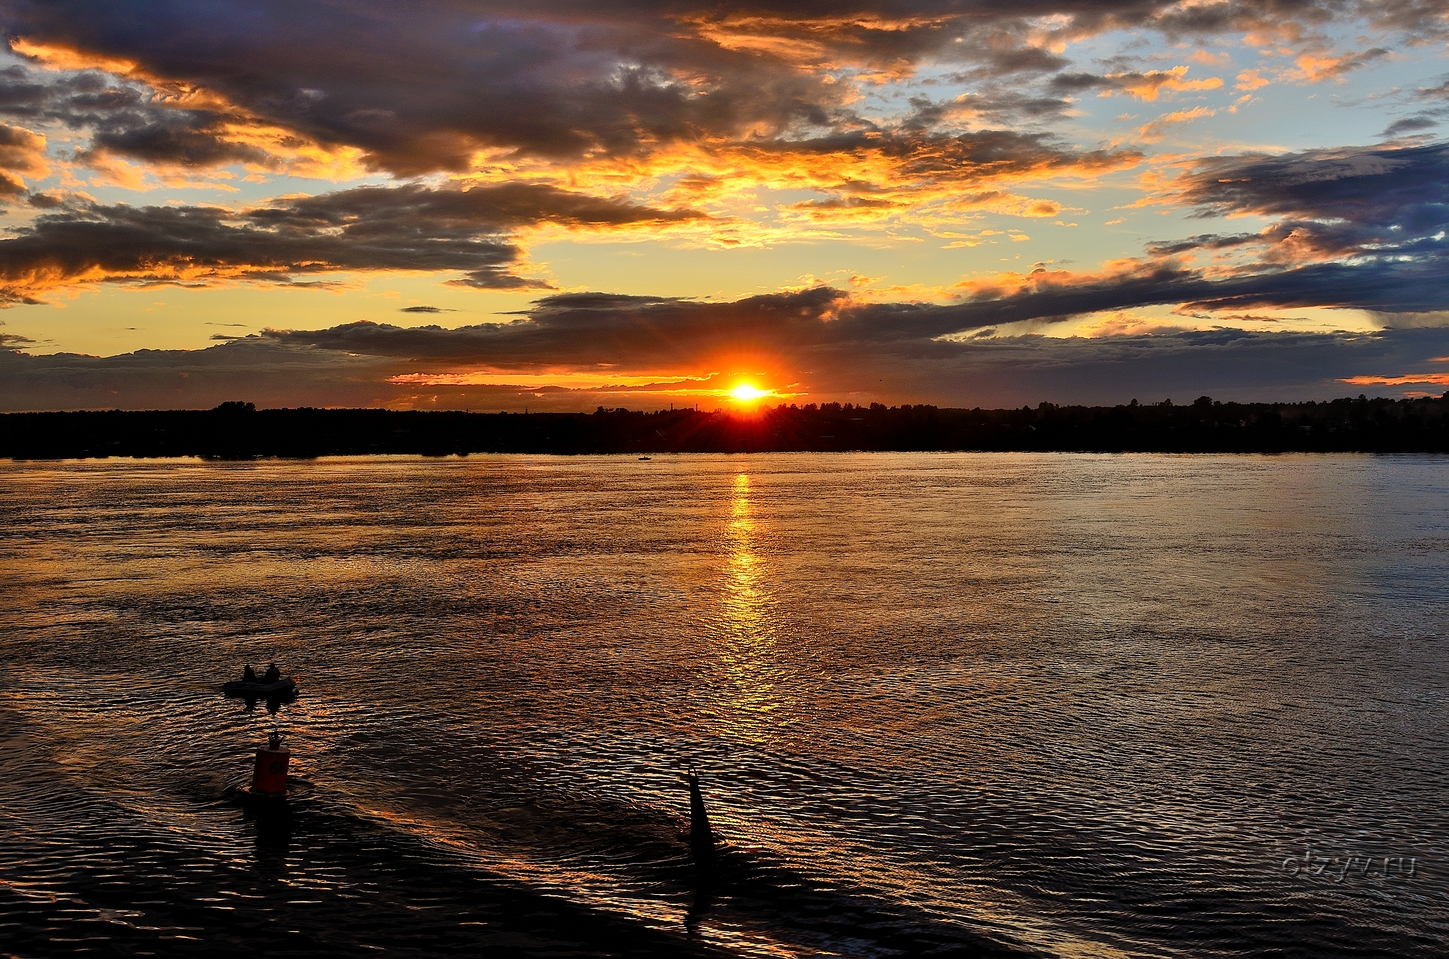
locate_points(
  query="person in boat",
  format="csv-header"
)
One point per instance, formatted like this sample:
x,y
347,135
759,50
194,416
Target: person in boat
x,y
249,675
272,675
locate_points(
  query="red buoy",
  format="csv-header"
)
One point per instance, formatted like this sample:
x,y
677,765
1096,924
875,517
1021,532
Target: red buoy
x,y
270,775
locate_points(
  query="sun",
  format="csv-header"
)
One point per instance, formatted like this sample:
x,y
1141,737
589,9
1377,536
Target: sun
x,y
747,392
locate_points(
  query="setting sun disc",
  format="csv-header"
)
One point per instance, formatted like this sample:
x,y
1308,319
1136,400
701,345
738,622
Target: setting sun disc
x,y
745,392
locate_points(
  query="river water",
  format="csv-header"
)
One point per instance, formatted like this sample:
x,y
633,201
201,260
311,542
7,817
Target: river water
x,y
960,704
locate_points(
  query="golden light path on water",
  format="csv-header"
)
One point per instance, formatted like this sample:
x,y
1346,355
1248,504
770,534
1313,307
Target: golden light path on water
x,y
747,632
752,709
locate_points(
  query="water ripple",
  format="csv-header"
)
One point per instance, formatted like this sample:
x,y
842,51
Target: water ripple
x,y
1070,705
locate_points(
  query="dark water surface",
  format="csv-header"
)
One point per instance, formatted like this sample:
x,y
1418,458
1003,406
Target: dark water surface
x,y
942,705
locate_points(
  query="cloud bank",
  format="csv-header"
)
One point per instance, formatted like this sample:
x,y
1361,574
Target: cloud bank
x,y
404,228
624,351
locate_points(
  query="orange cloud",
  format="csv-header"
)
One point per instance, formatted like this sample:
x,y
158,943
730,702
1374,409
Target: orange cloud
x,y
869,180
928,179
1208,58
1314,67
1149,86
1157,129
817,42
1250,80
57,57
1122,323
569,379
294,155
1408,379
295,239
1042,280
259,146
22,154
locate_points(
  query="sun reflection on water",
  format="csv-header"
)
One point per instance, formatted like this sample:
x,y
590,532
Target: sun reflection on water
x,y
750,707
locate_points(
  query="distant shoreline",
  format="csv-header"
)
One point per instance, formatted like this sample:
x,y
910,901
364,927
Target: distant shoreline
x,y
237,431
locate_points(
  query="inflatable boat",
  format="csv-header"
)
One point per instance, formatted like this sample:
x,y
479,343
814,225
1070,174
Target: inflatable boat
x,y
285,686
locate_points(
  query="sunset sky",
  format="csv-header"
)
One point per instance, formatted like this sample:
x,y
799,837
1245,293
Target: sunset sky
x,y
561,205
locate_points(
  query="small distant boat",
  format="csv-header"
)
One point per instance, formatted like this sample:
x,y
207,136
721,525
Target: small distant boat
x,y
282,687
642,458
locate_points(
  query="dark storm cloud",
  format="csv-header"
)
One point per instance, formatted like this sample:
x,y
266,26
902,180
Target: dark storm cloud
x,y
432,212
1387,287
1366,185
822,330
1383,205
369,228
1013,59
1148,84
1078,82
1427,117
125,119
1357,227
1418,20
1383,287
1227,364
1410,124
177,379
598,331
75,100
991,103
923,158
187,138
420,86
1203,241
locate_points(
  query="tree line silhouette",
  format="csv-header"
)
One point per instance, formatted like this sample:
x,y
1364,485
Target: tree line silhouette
x,y
238,430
